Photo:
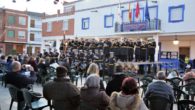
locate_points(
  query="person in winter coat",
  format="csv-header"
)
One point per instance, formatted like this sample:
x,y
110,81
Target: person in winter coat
x,y
91,95
128,98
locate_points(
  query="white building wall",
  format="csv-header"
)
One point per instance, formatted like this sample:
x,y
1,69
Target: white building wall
x,y
111,7
185,26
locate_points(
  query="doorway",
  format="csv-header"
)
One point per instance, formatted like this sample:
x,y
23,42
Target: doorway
x,y
184,52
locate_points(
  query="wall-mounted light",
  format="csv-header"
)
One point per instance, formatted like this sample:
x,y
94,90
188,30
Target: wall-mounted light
x,y
175,41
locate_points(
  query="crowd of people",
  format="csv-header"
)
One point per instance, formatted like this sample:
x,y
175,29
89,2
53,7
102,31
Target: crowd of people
x,y
125,50
120,93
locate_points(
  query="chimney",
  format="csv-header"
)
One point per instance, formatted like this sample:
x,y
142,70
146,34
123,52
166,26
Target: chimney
x,y
58,12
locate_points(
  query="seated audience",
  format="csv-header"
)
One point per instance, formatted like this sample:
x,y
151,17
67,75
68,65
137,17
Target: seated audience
x,y
33,63
41,65
188,75
116,82
94,69
91,94
160,86
2,60
128,98
19,79
16,78
173,74
53,63
62,92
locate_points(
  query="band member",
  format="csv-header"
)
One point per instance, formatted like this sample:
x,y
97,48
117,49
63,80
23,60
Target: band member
x,y
137,50
131,50
151,50
143,51
107,46
110,64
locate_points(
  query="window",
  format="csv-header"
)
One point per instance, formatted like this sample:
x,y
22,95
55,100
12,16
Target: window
x,y
22,20
65,25
176,13
32,37
11,20
125,16
49,26
85,23
10,33
21,34
32,23
108,21
153,10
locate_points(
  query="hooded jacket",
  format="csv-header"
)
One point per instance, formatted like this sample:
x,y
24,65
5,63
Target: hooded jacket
x,y
119,101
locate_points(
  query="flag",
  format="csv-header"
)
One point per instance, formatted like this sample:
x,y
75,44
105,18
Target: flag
x,y
147,14
130,13
137,12
119,20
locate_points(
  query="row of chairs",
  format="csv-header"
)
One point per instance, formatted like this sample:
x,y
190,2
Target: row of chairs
x,y
178,88
29,104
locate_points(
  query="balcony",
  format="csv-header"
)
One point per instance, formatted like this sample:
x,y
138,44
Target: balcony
x,y
152,25
36,27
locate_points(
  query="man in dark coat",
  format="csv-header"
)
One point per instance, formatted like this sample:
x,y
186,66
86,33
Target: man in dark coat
x,y
62,92
116,82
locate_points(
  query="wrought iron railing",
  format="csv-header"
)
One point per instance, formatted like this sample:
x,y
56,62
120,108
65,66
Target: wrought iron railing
x,y
151,25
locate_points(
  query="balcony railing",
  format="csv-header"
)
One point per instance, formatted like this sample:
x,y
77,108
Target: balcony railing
x,y
151,25
36,26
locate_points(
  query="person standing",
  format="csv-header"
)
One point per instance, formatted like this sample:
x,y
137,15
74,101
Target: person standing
x,y
131,50
137,50
151,50
143,51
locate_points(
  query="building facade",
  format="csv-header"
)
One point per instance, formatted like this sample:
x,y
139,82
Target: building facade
x,y
58,27
34,32
13,31
169,20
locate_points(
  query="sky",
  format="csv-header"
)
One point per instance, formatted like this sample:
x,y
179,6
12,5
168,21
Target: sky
x,y
41,6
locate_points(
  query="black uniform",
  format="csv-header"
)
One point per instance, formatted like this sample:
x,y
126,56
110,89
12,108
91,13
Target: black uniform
x,y
143,52
137,51
131,51
151,51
